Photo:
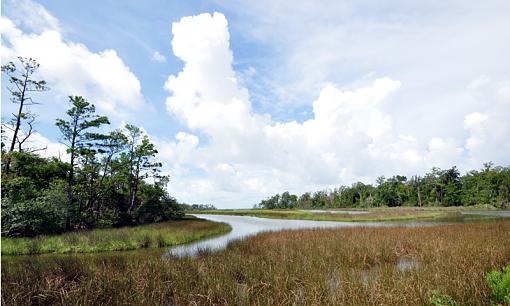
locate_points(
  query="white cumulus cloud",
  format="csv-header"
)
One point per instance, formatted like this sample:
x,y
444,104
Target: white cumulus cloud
x,y
248,155
242,156
71,68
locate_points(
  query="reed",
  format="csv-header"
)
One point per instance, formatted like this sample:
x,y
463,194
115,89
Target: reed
x,y
349,266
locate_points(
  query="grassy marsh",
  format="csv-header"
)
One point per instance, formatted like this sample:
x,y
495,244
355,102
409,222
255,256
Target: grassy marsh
x,y
116,239
372,214
348,266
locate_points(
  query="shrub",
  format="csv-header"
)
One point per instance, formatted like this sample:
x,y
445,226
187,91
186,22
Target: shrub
x,y
499,282
156,206
39,216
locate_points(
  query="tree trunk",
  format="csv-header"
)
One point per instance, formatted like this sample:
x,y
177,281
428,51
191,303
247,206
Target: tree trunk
x,y
419,195
70,179
16,128
69,195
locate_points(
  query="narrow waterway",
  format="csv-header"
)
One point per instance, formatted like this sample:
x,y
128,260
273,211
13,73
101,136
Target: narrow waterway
x,y
244,226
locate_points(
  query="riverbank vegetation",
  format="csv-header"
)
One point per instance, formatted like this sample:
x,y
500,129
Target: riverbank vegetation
x,y
361,266
354,215
104,179
490,186
162,234
382,214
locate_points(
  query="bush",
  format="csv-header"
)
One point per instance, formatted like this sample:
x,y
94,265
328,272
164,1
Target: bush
x,y
156,206
38,216
19,189
500,285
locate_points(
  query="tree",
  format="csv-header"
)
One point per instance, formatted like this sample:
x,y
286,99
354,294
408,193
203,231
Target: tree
x,y
452,187
20,77
416,182
111,146
139,161
78,139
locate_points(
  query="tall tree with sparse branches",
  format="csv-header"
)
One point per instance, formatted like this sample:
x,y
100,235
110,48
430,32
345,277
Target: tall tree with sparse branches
x,y
78,139
22,85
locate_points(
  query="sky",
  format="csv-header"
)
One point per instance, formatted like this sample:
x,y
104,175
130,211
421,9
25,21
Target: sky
x,y
246,99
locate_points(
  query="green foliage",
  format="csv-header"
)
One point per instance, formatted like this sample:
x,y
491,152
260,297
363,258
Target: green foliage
x,y
36,216
40,171
187,207
103,185
19,189
437,188
75,131
157,206
438,299
499,282
116,239
285,200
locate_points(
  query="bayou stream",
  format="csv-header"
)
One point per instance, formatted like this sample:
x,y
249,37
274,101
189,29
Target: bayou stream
x,y
244,226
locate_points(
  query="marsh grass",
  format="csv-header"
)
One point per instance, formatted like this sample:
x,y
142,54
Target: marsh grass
x,y
116,239
375,214
349,266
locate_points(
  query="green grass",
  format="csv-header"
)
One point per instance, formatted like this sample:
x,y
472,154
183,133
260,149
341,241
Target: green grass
x,y
378,214
116,239
373,214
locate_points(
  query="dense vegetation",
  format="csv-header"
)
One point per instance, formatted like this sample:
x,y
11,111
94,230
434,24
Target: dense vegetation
x,y
161,234
361,266
107,178
192,207
491,185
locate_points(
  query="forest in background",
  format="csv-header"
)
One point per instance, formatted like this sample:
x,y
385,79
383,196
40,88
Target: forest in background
x,y
490,185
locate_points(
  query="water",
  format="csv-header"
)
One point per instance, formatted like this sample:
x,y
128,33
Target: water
x,y
348,212
488,213
244,226
404,264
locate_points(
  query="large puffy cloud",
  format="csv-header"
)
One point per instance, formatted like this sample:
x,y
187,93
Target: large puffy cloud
x,y
70,68
244,156
241,156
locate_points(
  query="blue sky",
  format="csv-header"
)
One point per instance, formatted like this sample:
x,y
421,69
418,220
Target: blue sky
x,y
262,97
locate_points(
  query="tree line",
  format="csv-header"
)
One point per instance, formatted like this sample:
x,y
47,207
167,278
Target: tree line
x,y
189,207
109,178
490,185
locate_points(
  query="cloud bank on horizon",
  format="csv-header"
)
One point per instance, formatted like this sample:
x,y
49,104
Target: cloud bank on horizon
x,y
231,154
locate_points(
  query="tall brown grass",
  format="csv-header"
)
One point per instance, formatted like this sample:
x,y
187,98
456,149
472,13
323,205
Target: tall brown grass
x,y
357,266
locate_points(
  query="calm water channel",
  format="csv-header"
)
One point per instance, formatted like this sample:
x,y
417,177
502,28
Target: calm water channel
x,y
243,226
